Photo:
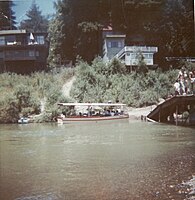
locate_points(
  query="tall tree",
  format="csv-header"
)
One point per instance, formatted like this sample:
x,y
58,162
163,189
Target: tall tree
x,y
174,31
7,18
35,21
176,27
87,24
74,30
134,18
61,33
167,24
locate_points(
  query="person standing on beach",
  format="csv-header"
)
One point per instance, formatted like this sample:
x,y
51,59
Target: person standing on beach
x,y
177,88
192,80
181,82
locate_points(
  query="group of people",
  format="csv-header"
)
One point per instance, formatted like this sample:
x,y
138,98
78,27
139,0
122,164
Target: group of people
x,y
185,83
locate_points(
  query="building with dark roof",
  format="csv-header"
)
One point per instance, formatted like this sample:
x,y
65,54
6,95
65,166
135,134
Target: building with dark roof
x,y
23,52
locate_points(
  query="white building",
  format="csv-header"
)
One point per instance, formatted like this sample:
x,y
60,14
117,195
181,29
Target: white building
x,y
114,47
129,55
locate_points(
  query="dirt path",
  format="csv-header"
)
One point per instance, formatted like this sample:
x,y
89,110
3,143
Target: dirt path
x,y
67,87
133,112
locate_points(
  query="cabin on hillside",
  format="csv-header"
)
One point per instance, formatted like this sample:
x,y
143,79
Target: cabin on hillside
x,y
22,52
114,47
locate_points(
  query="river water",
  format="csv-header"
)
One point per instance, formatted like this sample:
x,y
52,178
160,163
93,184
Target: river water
x,y
97,161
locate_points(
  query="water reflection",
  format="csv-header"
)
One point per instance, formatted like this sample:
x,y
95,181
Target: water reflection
x,y
106,160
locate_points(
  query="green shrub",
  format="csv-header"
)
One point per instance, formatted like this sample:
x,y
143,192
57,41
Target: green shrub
x,y
22,95
9,111
101,82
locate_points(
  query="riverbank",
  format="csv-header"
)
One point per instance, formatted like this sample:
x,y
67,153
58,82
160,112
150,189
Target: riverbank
x,y
138,113
40,93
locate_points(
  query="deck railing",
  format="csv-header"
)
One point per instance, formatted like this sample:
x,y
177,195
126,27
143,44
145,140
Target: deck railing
x,y
143,49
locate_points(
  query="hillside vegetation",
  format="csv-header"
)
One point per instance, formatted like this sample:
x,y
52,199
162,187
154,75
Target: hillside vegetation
x,y
31,95
101,82
38,94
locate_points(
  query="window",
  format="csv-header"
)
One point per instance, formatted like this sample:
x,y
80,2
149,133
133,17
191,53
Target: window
x,y
31,53
148,56
114,44
1,54
133,55
10,39
2,40
119,44
40,39
37,53
18,53
8,53
145,55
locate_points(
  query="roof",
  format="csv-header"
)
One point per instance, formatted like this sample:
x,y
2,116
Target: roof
x,y
116,36
15,32
91,104
108,28
8,32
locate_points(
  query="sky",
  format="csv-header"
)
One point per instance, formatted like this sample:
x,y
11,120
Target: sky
x,y
22,6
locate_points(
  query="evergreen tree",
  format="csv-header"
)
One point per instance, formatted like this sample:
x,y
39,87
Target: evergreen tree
x,y
61,33
74,31
7,18
35,21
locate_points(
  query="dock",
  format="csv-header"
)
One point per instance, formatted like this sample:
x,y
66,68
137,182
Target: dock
x,y
178,110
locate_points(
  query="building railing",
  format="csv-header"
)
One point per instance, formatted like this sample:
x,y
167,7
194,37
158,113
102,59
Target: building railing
x,y
20,58
141,48
15,44
120,53
136,49
20,55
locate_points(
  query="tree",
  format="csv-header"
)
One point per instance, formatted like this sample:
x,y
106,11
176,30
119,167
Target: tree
x,y
141,64
174,30
134,18
7,18
61,33
166,24
35,21
75,29
88,40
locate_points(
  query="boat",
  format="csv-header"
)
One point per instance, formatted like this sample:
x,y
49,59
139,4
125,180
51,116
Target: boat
x,y
92,112
23,120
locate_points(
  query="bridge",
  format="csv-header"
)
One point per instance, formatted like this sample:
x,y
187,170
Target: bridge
x,y
176,110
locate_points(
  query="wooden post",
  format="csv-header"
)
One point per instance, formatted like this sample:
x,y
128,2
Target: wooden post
x,y
159,116
176,122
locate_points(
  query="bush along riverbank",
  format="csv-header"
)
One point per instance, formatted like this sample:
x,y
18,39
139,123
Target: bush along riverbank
x,y
37,95
99,82
33,96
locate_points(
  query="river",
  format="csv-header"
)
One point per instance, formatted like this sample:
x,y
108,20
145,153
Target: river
x,y
125,160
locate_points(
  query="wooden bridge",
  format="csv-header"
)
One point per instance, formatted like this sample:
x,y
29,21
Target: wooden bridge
x,y
176,110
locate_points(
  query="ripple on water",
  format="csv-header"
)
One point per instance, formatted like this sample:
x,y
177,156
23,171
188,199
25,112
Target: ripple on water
x,y
47,196
191,185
